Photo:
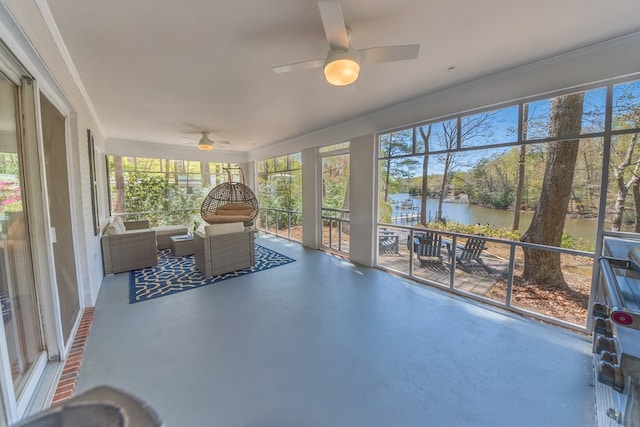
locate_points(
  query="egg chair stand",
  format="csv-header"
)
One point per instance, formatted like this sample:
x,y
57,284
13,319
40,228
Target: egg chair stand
x,y
230,202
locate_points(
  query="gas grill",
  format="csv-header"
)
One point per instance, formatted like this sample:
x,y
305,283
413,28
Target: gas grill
x,y
616,335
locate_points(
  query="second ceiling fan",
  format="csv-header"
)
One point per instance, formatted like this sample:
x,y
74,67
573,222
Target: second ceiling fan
x,y
205,142
342,64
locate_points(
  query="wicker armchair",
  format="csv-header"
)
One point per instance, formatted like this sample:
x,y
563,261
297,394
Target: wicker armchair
x,y
216,254
128,246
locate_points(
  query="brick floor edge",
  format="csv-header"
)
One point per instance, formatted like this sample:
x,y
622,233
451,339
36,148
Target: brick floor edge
x,y
67,383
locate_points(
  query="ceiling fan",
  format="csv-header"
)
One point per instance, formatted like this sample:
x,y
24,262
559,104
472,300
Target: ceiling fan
x,y
342,64
206,143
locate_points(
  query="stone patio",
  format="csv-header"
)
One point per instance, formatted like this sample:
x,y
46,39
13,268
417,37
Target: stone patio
x,y
477,280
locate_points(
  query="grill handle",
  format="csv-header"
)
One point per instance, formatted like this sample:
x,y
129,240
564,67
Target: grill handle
x,y
609,285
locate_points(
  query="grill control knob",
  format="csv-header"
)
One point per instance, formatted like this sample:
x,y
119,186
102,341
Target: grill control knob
x,y
611,375
614,414
603,327
609,357
599,310
605,344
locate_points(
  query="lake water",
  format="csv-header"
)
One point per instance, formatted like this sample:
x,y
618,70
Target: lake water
x,y
465,213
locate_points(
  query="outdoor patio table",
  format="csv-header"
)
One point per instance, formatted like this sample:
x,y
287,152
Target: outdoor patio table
x,y
182,245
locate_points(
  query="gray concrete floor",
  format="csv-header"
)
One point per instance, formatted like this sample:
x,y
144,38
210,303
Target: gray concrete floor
x,y
321,342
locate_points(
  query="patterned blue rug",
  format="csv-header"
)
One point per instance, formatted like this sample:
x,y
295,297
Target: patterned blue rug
x,y
177,274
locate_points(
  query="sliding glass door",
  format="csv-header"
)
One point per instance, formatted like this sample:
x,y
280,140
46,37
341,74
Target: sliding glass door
x,y
20,310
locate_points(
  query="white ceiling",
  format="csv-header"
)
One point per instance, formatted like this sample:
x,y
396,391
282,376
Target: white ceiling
x,y
159,70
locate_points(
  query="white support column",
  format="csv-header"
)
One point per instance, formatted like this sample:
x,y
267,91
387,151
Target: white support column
x,y
362,202
311,230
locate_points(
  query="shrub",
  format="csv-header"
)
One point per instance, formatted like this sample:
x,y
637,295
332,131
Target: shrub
x,y
485,230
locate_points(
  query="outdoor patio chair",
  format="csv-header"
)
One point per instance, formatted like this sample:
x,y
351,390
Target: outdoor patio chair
x,y
223,248
469,255
128,245
388,242
427,246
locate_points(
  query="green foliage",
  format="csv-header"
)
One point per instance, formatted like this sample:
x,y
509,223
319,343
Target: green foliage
x,y
396,143
266,192
414,191
385,210
334,194
623,173
485,230
570,242
9,165
492,181
281,190
398,175
501,199
335,180
458,181
10,192
170,190
13,207
145,192
154,195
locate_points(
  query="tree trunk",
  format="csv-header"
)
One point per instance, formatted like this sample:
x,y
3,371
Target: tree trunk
x,y
119,177
636,201
588,170
425,173
618,205
443,187
205,175
623,188
179,171
386,181
633,184
517,204
548,220
346,203
425,190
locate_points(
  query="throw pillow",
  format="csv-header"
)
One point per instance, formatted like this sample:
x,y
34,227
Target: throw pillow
x,y
218,229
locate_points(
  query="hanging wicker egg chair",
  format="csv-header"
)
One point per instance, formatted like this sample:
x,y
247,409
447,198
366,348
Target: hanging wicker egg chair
x,y
230,202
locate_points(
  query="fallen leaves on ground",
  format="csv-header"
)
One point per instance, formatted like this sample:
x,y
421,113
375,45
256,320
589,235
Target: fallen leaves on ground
x,y
566,304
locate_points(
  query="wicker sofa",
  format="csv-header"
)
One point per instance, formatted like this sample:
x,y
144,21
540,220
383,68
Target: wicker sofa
x,y
128,246
223,248
164,233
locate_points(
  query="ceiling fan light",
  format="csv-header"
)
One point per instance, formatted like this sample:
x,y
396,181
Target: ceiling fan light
x,y
205,143
342,69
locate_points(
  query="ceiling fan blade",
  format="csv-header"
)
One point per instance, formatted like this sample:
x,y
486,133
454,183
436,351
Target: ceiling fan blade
x,y
221,142
306,65
211,136
389,53
334,26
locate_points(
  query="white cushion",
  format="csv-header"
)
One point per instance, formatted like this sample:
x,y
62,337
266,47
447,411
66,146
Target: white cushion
x,y
218,229
113,229
117,222
169,229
